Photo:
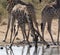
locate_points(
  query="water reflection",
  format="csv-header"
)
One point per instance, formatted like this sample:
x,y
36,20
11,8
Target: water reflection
x,y
23,49
9,51
28,51
20,50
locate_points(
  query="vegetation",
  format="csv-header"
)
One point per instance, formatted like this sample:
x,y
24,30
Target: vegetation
x,y
3,10
37,5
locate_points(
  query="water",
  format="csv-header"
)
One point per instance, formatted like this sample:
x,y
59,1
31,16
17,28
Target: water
x,y
20,50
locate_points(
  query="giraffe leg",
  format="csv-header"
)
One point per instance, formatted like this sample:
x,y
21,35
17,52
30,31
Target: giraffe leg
x,y
16,33
8,26
28,33
24,32
58,31
43,28
36,24
12,24
14,29
49,30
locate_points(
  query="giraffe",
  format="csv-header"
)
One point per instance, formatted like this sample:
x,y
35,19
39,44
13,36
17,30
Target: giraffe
x,y
48,13
23,14
31,12
18,13
30,22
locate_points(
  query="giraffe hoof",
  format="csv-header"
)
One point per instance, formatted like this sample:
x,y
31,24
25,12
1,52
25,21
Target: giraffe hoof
x,y
4,41
54,43
48,46
30,46
10,47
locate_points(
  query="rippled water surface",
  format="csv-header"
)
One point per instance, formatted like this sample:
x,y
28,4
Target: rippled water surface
x,y
20,50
